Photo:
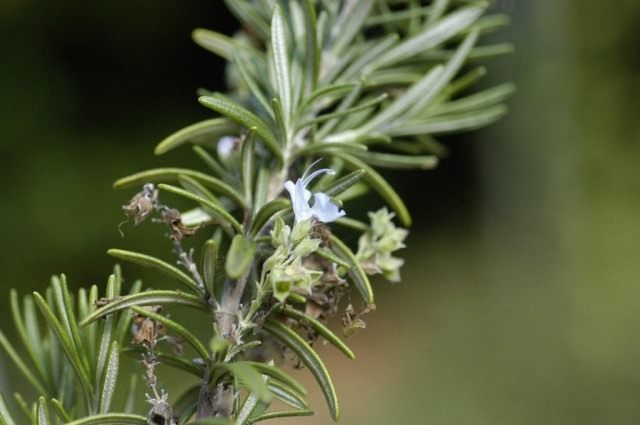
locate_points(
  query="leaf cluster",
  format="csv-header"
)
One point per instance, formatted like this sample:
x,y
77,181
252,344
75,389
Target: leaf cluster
x,y
362,84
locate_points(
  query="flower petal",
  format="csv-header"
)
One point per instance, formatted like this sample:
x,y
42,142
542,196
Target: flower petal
x,y
308,179
324,209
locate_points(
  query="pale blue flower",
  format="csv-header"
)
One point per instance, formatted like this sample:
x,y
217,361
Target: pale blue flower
x,y
323,209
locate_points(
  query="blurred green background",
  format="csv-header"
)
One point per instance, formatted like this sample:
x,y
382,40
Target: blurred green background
x,y
521,297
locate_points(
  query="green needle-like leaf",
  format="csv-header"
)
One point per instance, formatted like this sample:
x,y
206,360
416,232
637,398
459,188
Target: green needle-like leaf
x,y
357,275
248,13
176,327
343,183
374,49
280,119
245,66
453,123
432,36
320,328
349,111
223,45
208,132
389,160
66,312
167,359
310,358
248,165
111,419
61,411
277,374
122,328
449,71
173,174
349,23
220,211
326,95
327,148
312,52
110,378
213,421
287,395
146,298
209,263
239,257
107,335
380,185
479,100
281,61
249,378
67,344
418,92
24,407
5,415
268,211
281,414
329,255
210,161
192,185
43,417
30,337
250,407
157,264
243,117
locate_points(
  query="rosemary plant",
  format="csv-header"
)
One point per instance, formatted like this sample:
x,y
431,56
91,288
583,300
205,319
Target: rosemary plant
x,y
323,93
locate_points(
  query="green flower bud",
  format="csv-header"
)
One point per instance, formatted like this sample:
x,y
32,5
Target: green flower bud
x,y
280,234
300,231
377,244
